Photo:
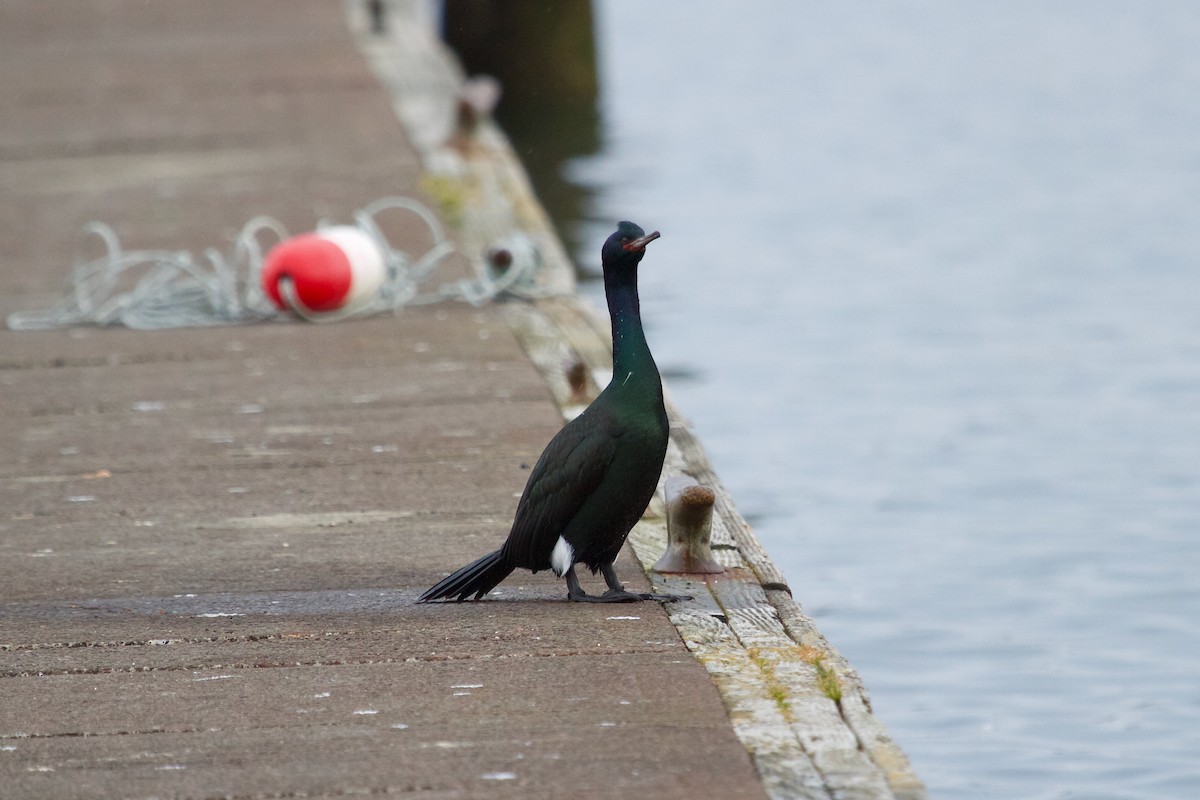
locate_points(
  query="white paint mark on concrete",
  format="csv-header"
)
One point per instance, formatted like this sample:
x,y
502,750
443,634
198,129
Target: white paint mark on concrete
x,y
498,776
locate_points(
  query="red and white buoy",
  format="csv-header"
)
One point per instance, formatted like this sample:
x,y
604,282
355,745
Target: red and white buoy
x,y
334,268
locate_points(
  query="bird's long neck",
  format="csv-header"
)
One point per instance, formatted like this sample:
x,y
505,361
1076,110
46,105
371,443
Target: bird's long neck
x,y
632,361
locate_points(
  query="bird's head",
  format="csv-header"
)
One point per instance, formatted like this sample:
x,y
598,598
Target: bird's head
x,y
626,246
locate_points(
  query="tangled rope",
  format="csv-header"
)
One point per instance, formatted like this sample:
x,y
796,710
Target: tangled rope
x,y
155,289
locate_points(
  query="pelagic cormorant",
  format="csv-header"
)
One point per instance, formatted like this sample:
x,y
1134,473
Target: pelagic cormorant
x,y
595,478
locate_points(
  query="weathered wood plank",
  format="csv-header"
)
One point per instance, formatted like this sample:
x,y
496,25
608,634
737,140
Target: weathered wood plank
x,y
757,716
855,704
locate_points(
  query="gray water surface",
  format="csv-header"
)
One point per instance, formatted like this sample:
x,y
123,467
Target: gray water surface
x,y
929,288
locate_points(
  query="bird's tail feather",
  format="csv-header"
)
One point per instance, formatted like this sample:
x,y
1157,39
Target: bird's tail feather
x,y
477,578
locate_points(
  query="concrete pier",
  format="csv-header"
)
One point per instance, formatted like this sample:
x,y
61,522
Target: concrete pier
x,y
211,539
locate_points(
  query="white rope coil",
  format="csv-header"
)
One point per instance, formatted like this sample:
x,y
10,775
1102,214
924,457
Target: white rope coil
x,y
155,289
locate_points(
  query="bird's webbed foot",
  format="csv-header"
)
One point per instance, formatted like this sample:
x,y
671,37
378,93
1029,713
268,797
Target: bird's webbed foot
x,y
608,597
576,594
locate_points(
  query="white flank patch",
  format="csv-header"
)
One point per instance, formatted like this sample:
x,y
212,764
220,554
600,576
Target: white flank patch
x,y
562,558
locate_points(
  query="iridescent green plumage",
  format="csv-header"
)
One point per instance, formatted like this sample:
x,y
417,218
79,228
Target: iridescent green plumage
x,y
597,475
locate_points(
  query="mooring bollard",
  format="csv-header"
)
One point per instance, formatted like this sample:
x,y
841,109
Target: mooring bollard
x,y
689,528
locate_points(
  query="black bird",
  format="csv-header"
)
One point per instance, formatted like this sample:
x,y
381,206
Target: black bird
x,y
595,478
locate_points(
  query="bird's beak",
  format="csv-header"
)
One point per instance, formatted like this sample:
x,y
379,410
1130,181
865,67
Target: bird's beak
x,y
639,245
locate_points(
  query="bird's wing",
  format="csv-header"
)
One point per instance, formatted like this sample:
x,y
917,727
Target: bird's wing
x,y
568,471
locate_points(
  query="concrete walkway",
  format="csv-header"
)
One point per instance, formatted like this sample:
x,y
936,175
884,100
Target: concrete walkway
x,y
210,539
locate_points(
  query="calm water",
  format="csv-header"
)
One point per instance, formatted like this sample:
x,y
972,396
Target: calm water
x,y
929,288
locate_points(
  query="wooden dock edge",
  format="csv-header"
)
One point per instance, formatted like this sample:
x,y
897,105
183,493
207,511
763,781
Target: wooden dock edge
x,y
799,708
